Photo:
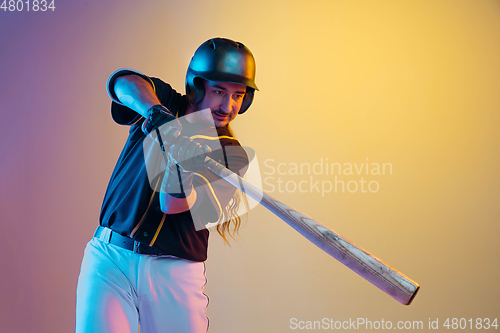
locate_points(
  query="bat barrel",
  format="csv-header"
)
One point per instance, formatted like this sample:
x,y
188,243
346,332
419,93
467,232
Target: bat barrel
x,y
374,270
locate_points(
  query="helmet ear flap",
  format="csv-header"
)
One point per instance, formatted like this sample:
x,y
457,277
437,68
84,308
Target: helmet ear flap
x,y
195,91
247,100
200,90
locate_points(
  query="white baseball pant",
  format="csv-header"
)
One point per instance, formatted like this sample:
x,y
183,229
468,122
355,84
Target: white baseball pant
x,y
119,289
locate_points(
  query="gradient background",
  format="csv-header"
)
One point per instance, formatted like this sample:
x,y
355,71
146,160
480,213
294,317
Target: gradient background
x,y
412,83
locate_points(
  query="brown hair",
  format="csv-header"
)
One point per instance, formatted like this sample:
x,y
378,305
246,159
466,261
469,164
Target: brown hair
x,y
230,212
230,215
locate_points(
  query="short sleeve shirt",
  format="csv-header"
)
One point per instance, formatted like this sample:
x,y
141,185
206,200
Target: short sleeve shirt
x,y
131,203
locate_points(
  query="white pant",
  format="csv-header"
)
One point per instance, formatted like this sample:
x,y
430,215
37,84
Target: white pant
x,y
119,289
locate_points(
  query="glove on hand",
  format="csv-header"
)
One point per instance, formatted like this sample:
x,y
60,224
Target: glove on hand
x,y
188,154
158,115
177,183
184,157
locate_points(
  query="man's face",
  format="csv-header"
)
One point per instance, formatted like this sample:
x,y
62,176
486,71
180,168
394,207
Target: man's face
x,y
224,100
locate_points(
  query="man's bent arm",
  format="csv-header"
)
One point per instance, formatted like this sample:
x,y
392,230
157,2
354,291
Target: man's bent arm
x,y
135,93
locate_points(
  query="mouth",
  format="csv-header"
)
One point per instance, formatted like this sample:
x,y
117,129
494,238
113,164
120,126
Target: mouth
x,y
220,115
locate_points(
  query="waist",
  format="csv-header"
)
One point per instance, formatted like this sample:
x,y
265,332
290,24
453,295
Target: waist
x,y
112,237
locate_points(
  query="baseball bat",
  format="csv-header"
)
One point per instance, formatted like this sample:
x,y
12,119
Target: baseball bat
x,y
374,270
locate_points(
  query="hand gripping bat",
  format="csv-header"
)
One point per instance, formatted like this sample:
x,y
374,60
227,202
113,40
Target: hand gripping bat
x,y
383,276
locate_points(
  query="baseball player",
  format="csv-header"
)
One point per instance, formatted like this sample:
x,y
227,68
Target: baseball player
x,y
145,263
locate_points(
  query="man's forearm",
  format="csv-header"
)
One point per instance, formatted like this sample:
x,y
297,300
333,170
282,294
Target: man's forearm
x,y
136,93
172,205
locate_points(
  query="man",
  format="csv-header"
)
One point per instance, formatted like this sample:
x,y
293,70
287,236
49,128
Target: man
x,y
145,264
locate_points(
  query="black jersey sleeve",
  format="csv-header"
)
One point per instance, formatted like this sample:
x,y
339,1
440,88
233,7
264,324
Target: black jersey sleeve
x,y
165,93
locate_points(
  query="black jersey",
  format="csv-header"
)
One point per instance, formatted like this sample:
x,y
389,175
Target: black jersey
x,y
131,204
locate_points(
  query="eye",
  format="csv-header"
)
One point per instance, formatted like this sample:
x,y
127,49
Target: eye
x,y
219,92
238,96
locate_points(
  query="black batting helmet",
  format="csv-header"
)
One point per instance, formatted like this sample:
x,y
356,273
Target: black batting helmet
x,y
223,60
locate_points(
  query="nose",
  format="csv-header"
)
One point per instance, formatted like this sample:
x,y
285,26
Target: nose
x,y
227,104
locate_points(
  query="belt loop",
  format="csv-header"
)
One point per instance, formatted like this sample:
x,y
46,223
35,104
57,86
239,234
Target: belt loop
x,y
103,233
106,235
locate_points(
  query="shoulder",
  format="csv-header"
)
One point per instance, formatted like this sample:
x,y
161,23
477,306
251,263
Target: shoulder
x,y
168,96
